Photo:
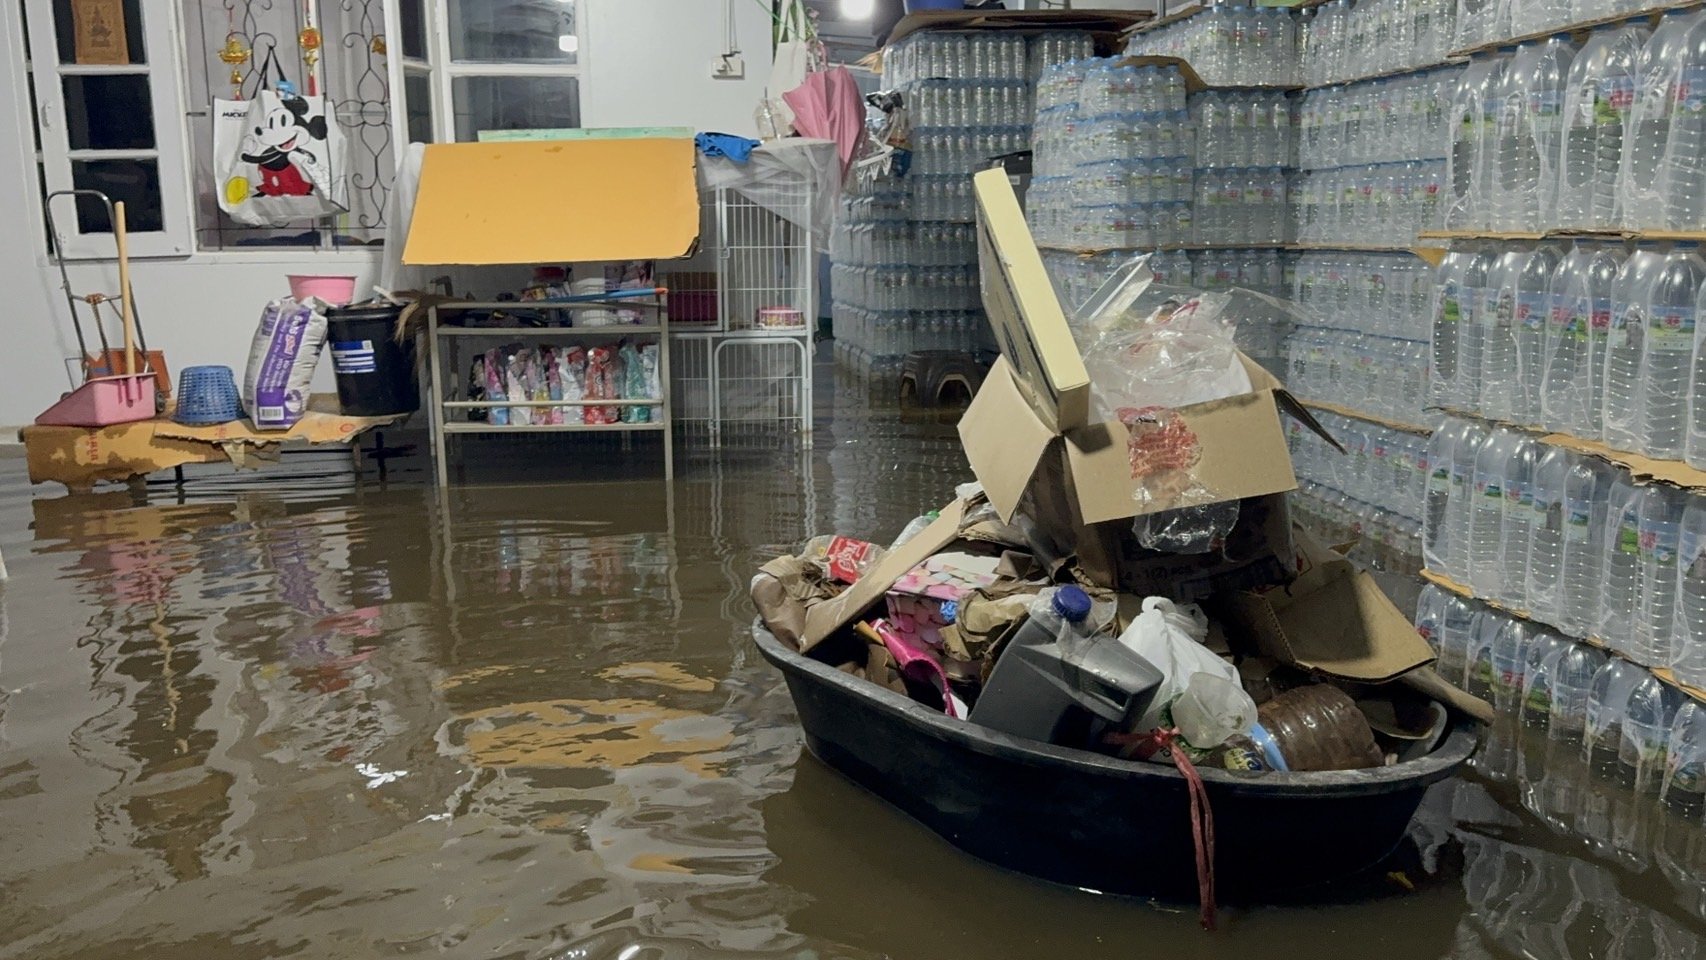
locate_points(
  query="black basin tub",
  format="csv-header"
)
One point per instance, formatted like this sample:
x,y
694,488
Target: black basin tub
x,y
1100,823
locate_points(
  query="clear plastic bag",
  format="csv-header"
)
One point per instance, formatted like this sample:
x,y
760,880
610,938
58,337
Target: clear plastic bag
x,y
1171,638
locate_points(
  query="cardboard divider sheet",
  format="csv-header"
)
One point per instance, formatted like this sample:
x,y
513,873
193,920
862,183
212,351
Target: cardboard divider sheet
x,y
566,201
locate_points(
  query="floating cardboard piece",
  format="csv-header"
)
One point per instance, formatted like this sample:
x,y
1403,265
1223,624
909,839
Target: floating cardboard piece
x,y
559,201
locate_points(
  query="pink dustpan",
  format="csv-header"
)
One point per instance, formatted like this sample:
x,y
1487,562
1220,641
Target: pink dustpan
x,y
104,401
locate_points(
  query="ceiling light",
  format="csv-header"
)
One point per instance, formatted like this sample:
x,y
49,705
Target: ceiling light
x,y
858,9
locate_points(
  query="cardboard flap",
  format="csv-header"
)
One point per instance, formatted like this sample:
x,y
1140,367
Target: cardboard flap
x,y
1242,454
1344,627
1427,681
555,202
1194,82
1003,439
831,615
1029,325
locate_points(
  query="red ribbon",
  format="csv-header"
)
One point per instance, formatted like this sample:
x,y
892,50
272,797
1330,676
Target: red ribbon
x,y
1146,745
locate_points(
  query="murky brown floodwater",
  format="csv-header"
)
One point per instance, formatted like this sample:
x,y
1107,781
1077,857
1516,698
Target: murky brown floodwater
x,y
301,718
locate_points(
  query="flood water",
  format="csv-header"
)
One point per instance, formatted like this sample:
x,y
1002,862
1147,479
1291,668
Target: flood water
x,y
296,716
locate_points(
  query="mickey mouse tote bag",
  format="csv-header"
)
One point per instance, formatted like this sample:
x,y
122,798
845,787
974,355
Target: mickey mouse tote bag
x,y
279,158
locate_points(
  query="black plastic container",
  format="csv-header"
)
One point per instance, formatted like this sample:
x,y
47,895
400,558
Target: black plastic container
x,y
376,374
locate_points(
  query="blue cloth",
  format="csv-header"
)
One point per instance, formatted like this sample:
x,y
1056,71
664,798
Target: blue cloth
x,y
738,149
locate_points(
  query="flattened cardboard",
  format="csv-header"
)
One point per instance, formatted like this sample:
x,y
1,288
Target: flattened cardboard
x,y
1000,429
1029,325
558,201
1026,21
825,618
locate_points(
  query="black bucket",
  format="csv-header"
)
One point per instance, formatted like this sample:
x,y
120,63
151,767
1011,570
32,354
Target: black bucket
x,y
376,374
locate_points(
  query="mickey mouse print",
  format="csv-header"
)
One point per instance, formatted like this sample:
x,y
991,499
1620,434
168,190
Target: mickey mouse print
x,y
279,159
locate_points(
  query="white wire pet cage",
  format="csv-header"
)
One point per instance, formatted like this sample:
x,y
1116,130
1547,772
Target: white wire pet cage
x,y
745,305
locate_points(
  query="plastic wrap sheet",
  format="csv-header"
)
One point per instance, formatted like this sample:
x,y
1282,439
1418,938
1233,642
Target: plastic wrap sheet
x,y
774,176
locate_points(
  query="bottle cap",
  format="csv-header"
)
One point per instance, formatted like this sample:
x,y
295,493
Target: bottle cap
x,y
1072,603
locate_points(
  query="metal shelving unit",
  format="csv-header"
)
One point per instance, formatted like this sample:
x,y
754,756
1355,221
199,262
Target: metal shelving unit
x,y
443,344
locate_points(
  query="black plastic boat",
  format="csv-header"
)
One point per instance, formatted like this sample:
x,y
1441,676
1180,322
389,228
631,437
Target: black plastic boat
x,y
1101,823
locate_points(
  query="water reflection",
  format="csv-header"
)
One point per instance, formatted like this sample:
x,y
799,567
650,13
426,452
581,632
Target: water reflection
x,y
526,721
1564,861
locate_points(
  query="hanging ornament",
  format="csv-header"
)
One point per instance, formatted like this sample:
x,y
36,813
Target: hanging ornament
x,y
378,45
309,41
234,54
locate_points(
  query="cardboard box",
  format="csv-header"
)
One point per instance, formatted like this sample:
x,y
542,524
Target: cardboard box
x,y
1030,439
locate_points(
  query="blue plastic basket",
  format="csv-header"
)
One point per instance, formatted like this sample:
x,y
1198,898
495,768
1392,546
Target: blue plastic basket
x,y
207,395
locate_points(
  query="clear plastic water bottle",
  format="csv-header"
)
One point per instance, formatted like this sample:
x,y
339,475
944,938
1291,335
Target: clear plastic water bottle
x,y
1573,393
1647,720
1498,100
1659,71
1572,681
1667,349
1529,132
1464,136
1688,653
1608,700
1598,95
1437,547
1487,570
1540,652
1587,494
1458,624
1430,614
1533,308
1684,788
1448,323
1499,378
1620,595
1621,419
1477,316
1660,528
1459,522
1518,525
1682,176
1543,595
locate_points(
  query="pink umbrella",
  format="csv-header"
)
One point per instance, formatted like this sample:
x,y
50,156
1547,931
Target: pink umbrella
x,y
828,106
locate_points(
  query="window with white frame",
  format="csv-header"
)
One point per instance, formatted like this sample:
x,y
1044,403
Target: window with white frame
x,y
121,111
106,99
473,66
228,42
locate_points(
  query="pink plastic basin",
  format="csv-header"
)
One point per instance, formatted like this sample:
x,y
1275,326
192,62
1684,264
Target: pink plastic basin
x,y
337,291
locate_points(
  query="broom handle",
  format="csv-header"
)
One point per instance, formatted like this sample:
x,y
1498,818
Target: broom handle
x,y
120,238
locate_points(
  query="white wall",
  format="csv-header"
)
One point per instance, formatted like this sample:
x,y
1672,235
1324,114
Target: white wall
x,y
648,64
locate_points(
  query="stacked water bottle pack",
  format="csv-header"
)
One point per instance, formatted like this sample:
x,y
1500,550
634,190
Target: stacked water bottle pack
x,y
1229,45
1077,276
1114,157
1384,204
1483,22
1597,340
1574,540
1377,121
904,251
1343,40
1549,136
1362,344
1372,490
1629,724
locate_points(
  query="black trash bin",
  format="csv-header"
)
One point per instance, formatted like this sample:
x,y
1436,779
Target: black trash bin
x,y
376,374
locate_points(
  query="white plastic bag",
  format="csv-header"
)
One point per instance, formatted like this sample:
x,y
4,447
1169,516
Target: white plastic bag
x,y
1171,638
282,355
279,158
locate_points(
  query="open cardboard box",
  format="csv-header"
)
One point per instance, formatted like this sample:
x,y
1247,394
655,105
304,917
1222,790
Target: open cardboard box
x,y
1031,440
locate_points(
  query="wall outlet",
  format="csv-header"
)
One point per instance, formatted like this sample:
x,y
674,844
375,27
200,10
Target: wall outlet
x,y
728,67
